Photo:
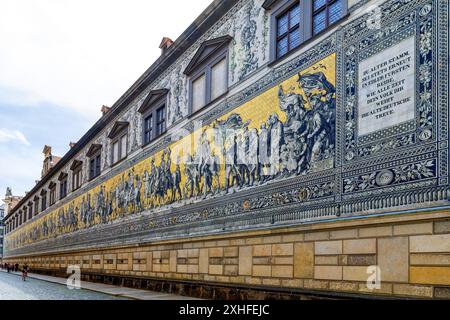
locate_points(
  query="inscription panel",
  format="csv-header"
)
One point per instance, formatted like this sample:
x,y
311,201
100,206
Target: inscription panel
x,y
387,88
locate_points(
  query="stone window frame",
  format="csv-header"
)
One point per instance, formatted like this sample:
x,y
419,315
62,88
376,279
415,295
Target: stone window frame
x,y
77,175
202,66
36,205
52,189
278,8
119,130
155,101
30,210
63,185
95,161
43,200
24,214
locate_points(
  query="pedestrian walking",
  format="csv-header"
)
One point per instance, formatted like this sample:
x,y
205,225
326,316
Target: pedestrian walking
x,y
25,272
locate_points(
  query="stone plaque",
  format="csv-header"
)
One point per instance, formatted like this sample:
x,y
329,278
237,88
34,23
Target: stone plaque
x,y
387,88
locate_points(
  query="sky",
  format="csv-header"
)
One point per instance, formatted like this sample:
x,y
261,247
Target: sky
x,y
61,60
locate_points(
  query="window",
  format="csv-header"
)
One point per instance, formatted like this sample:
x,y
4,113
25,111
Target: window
x,y
36,205
219,79
43,200
52,188
295,21
119,142
30,210
123,147
76,180
198,93
208,72
326,13
210,84
62,186
288,31
115,156
94,167
95,160
160,120
77,171
148,129
154,114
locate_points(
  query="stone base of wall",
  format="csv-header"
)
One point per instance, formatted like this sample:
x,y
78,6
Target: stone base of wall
x,y
317,261
213,291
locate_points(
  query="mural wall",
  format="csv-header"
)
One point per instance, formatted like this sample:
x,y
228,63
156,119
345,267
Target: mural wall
x,y
354,124
287,131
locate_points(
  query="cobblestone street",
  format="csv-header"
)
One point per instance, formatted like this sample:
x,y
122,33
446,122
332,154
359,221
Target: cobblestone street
x,y
13,288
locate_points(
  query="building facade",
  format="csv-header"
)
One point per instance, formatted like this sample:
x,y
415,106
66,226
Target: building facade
x,y
2,225
278,146
9,202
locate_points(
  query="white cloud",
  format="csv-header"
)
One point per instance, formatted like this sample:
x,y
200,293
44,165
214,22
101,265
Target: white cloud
x,y
19,169
7,135
84,53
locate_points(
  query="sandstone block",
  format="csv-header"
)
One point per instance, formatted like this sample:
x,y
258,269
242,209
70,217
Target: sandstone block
x,y
375,232
431,243
430,275
442,227
328,248
304,260
344,234
413,290
262,271
216,270
283,249
203,261
262,250
216,252
328,273
413,229
360,246
245,261
326,260
393,259
429,259
355,273
282,271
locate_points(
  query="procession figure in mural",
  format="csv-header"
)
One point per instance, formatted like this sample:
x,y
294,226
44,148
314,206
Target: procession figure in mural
x,y
150,184
188,172
169,177
263,152
177,182
242,161
252,150
322,117
227,133
231,166
216,172
275,142
137,207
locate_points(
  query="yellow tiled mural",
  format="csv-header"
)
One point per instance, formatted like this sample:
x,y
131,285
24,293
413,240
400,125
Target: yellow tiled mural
x,y
287,131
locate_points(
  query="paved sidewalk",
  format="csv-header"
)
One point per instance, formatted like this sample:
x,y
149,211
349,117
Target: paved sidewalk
x,y
115,291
